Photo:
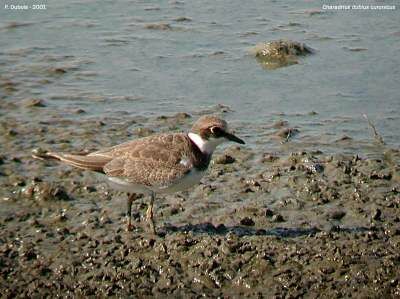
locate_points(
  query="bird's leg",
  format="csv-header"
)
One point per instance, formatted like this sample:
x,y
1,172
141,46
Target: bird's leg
x,y
149,213
131,198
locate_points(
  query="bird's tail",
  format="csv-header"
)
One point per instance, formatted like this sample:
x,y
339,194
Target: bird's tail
x,y
86,162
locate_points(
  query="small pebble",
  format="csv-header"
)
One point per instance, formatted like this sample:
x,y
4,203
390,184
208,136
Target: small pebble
x,y
336,214
269,213
277,218
247,221
224,159
377,214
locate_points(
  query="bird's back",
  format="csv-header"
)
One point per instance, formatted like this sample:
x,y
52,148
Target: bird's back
x,y
158,160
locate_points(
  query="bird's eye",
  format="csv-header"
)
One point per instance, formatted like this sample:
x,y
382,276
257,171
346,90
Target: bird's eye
x,y
216,131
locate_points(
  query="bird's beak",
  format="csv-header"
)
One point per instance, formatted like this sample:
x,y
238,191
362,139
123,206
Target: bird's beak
x,y
232,137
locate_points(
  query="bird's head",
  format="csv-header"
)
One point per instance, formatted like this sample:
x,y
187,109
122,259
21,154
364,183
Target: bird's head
x,y
210,131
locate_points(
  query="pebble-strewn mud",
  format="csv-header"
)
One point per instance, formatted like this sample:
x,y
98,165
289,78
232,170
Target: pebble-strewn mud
x,y
262,224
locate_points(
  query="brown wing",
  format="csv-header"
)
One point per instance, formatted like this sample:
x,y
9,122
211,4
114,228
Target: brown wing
x,y
162,147
146,172
153,161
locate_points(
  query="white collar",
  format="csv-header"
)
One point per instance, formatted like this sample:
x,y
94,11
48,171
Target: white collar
x,y
205,146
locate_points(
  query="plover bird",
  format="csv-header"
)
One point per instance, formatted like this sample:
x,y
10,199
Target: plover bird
x,y
157,164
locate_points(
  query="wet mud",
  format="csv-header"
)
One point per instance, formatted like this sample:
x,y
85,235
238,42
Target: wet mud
x,y
264,224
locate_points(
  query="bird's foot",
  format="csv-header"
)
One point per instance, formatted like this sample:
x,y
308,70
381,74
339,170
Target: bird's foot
x,y
150,219
130,227
152,227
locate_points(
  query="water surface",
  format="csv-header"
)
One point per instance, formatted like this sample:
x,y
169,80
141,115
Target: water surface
x,y
128,58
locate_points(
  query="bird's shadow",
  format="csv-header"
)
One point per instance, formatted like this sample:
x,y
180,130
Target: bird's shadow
x,y
210,229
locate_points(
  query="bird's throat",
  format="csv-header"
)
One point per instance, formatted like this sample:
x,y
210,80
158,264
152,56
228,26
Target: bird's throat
x,y
207,147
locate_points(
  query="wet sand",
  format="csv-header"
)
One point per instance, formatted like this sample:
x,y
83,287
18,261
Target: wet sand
x,y
265,224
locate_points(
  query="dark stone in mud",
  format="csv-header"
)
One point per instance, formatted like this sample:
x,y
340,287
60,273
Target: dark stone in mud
x,y
381,175
395,190
377,214
336,214
247,221
16,160
221,228
27,253
316,152
60,194
277,218
90,189
18,183
12,132
60,216
269,213
225,159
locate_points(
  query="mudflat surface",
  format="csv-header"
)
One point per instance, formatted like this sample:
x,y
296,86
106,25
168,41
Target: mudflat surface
x,y
261,224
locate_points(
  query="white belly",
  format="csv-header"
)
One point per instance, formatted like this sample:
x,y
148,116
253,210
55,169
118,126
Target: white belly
x,y
187,181
122,185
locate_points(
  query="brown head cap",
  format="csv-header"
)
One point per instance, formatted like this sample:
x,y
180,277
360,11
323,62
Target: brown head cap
x,y
211,127
204,124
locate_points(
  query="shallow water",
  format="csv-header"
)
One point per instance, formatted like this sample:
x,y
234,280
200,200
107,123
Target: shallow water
x,y
137,58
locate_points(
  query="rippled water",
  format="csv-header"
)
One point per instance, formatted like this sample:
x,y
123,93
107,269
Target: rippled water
x,y
127,58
